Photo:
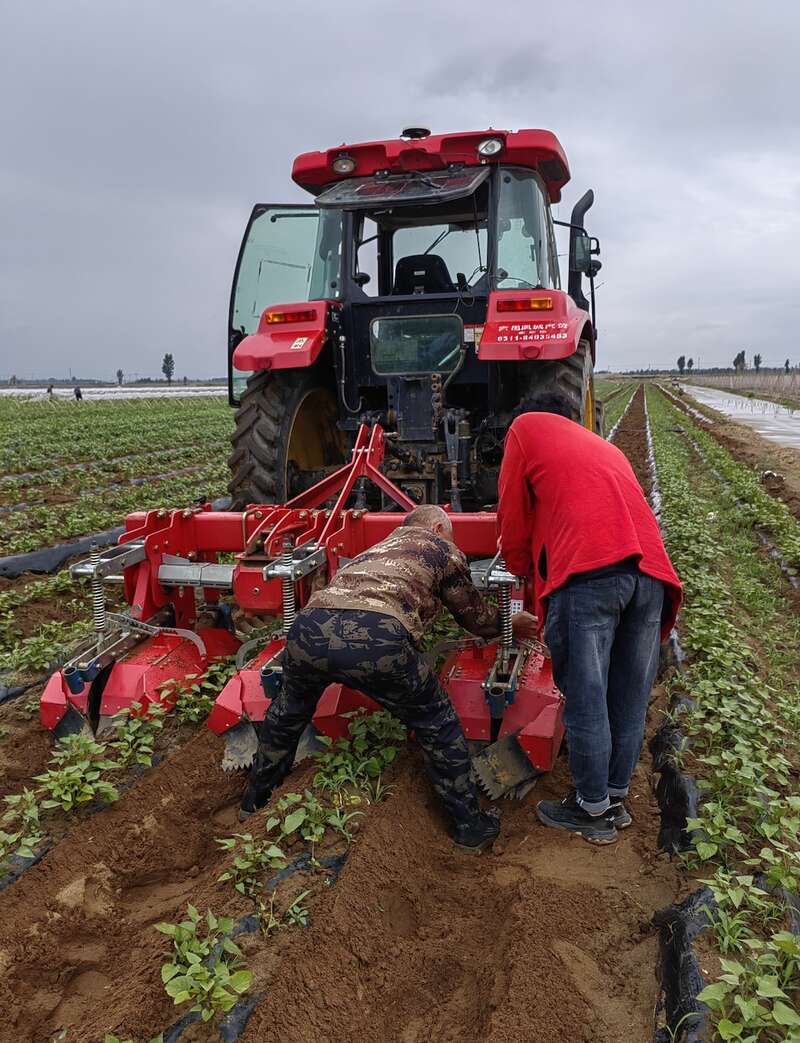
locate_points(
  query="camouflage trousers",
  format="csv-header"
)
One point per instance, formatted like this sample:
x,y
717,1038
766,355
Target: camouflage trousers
x,y
374,654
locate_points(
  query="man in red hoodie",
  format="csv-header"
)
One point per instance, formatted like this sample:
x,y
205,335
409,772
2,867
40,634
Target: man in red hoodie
x,y
573,518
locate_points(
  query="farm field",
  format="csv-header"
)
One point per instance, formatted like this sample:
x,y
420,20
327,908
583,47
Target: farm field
x,y
347,913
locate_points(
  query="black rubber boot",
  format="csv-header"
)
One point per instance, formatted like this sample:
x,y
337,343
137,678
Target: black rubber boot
x,y
620,814
480,833
567,814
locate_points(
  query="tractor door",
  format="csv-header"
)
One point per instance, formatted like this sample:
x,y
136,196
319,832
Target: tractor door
x,y
289,253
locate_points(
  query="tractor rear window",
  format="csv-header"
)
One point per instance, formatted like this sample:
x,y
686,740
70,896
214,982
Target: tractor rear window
x,y
418,344
360,193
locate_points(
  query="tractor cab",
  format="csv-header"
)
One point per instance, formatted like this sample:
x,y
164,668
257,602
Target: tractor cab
x,y
417,287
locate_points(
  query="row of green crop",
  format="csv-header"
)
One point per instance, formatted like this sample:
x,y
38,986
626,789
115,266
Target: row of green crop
x,y
82,771
72,481
741,735
43,526
755,503
40,436
205,970
616,407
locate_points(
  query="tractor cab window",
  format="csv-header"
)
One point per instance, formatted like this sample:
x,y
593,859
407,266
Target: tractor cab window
x,y
439,258
422,249
525,255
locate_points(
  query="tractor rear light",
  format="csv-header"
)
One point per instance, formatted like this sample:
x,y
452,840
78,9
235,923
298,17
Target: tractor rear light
x,y
490,147
344,164
525,304
272,317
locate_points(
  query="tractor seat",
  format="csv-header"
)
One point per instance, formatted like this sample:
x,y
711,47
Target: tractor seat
x,y
422,273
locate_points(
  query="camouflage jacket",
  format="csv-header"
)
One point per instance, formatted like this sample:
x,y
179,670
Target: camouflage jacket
x,y
409,576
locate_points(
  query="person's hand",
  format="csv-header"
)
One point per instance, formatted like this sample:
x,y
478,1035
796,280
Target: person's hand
x,y
525,626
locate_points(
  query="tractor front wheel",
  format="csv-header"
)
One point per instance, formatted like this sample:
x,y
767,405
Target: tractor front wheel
x,y
285,434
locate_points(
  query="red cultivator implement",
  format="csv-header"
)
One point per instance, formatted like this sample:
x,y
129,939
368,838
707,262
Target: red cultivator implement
x,y
169,564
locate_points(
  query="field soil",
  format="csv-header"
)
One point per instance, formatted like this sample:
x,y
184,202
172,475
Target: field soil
x,y
543,939
546,938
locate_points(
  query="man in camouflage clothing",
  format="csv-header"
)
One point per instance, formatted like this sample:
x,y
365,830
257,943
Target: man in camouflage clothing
x,y
364,630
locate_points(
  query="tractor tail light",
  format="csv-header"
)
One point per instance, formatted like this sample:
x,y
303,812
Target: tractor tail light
x,y
307,315
525,304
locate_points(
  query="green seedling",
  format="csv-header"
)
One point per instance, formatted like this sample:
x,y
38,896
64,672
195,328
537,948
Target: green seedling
x,y
20,831
77,774
251,859
136,735
194,695
297,913
206,967
305,816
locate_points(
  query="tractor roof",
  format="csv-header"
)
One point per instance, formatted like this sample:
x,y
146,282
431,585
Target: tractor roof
x,y
536,149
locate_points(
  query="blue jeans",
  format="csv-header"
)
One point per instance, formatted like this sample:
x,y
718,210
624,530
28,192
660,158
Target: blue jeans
x,y
603,632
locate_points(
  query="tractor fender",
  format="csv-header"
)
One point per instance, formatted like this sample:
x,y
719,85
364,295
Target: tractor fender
x,y
533,324
289,336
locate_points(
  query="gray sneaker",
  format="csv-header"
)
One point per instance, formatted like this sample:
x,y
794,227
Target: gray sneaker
x,y
567,814
620,814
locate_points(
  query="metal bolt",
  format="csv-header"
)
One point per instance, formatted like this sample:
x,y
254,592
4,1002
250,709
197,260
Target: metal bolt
x,y
256,590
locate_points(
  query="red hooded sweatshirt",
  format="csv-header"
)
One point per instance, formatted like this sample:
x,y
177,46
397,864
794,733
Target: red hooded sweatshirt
x,y
570,502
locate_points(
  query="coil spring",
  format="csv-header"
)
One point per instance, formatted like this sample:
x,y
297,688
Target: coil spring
x,y
504,600
289,599
98,593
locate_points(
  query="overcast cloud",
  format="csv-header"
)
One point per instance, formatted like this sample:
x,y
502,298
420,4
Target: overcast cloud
x,y
135,137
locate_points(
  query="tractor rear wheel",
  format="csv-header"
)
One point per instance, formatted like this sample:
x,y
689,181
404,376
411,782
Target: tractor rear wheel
x,y
285,431
573,378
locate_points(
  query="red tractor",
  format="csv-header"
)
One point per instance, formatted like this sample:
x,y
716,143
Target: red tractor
x,y
395,323
421,290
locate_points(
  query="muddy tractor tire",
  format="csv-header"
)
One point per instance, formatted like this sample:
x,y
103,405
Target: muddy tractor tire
x,y
285,434
573,378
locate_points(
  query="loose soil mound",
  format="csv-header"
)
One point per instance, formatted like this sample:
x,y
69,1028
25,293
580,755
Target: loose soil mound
x,y
546,939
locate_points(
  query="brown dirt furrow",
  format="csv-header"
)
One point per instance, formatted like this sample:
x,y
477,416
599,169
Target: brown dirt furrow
x,y
630,438
546,939
77,948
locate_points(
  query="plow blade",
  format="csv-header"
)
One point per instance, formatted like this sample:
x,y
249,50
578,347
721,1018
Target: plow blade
x,y
504,770
241,743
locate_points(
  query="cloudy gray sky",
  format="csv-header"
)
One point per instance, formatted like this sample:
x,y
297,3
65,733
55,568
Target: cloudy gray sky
x,y
135,136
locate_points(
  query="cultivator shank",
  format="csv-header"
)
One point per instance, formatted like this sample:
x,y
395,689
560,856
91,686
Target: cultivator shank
x,y
273,557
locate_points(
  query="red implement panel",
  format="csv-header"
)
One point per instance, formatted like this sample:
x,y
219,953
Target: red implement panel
x,y
535,714
138,677
243,696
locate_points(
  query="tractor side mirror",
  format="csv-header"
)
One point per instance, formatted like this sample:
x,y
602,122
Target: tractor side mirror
x,y
581,254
